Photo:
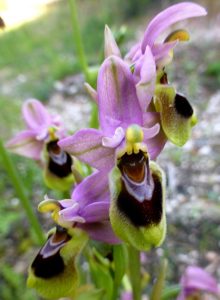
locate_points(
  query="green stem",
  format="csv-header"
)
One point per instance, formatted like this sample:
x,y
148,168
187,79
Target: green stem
x,y
135,272
78,39
159,285
19,188
171,292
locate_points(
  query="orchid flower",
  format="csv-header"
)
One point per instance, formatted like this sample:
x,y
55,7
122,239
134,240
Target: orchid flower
x,y
119,109
40,126
39,142
54,271
196,281
125,146
160,23
147,61
87,209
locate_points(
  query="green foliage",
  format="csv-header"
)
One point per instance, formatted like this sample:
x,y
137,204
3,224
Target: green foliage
x,y
213,69
100,272
13,285
42,53
160,282
130,8
120,259
91,294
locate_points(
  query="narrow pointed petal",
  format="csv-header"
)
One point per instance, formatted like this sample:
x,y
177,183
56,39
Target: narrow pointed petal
x,y
146,85
86,145
162,50
69,213
85,195
101,231
111,47
133,52
117,97
35,114
155,144
25,144
168,17
90,90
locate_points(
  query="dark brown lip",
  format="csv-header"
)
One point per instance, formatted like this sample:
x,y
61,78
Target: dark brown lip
x,y
141,196
183,107
48,262
133,166
60,162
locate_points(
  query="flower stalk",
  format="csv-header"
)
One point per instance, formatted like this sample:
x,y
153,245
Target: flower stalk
x,y
135,272
159,285
19,188
78,39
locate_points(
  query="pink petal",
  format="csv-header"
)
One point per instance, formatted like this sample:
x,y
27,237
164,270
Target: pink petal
x,y
167,17
115,140
162,50
133,52
155,144
86,145
198,279
96,212
146,85
101,231
25,144
92,189
111,47
35,114
92,93
117,97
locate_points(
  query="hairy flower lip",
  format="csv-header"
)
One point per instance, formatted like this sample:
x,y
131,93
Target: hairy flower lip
x,y
59,162
140,185
134,170
48,262
144,211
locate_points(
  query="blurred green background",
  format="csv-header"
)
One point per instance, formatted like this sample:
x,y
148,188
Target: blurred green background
x,y
37,51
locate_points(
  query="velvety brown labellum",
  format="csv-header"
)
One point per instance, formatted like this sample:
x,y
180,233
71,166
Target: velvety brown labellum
x,y
133,166
164,78
48,262
183,106
60,162
149,211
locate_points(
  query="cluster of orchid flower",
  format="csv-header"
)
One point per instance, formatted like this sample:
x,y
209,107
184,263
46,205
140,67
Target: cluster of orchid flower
x,y
123,200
